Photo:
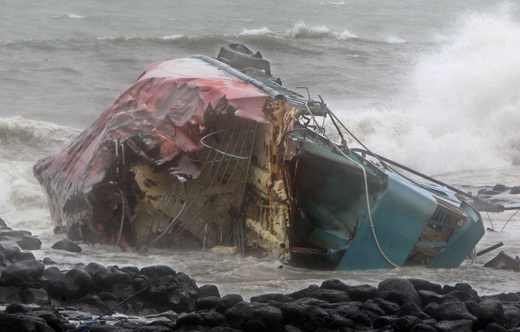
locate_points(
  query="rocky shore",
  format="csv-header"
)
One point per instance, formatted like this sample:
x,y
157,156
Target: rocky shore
x,y
37,296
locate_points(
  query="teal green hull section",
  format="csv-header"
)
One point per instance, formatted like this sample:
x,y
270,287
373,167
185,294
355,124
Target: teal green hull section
x,y
334,216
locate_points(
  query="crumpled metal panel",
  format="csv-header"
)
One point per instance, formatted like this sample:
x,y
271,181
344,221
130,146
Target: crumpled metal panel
x,y
158,121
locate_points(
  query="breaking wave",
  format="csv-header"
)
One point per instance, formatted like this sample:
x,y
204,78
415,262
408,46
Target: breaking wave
x,y
459,108
28,140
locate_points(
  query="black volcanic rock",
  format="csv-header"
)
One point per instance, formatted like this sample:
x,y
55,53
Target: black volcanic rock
x,y
362,292
101,276
66,245
399,291
228,301
455,310
264,298
420,284
208,290
24,273
335,284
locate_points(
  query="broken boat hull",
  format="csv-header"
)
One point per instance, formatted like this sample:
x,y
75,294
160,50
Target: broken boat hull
x,y
197,154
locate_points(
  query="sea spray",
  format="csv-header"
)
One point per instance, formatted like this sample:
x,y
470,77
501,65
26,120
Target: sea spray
x,y
459,107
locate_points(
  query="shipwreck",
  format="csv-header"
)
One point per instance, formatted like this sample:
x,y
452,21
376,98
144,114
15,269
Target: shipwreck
x,y
202,152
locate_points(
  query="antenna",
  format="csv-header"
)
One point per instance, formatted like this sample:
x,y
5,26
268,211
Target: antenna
x,y
306,88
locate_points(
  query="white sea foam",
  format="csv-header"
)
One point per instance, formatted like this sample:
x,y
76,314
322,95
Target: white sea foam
x,y
459,109
302,30
395,40
346,35
173,37
77,17
255,32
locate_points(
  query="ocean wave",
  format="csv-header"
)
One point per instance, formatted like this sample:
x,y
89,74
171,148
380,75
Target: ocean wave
x,y
77,17
459,105
256,32
24,139
346,35
261,35
395,40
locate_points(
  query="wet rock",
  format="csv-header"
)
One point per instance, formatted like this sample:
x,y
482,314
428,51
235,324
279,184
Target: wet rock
x,y
265,318
23,239
399,291
224,329
449,311
474,309
405,323
228,301
340,322
489,192
454,326
509,297
139,282
383,321
306,292
158,271
491,311
3,226
290,311
411,309
53,319
330,295
494,327
81,281
23,274
239,315
271,297
314,317
95,301
362,293
420,284
10,295
312,302
57,284
372,309
48,261
19,256
511,316
66,245
428,297
179,300
207,303
122,290
15,323
352,312
36,295
423,328
515,190
461,296
101,276
132,271
500,187
466,288
16,308
335,284
208,290
389,307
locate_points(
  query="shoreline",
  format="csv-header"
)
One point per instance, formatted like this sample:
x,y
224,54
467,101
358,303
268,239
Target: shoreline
x,y
37,296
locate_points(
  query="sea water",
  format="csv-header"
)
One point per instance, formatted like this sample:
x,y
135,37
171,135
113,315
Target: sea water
x,y
432,85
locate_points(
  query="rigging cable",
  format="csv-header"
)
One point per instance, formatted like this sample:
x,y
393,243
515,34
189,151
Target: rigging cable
x,y
366,189
509,220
